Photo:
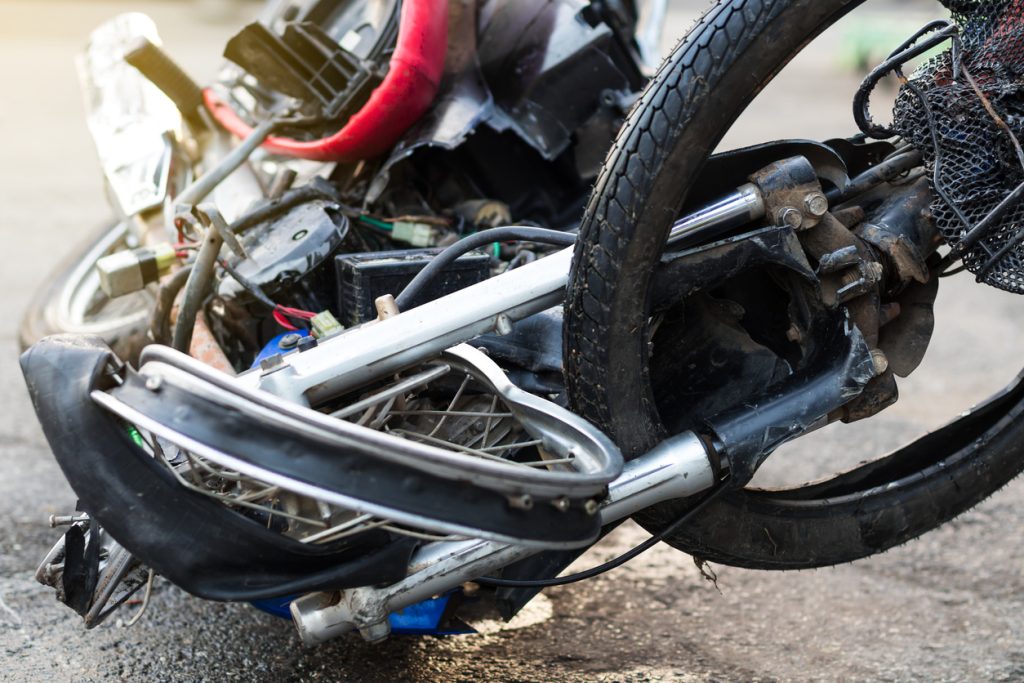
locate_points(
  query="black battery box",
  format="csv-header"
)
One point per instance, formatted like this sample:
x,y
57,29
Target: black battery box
x,y
362,278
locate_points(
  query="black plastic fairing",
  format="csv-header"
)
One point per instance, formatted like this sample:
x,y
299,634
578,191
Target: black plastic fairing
x,y
196,543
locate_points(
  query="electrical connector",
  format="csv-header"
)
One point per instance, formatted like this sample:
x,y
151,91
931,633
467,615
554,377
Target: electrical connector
x,y
415,234
325,325
129,271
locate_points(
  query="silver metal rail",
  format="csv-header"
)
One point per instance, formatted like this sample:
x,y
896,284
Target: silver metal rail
x,y
677,468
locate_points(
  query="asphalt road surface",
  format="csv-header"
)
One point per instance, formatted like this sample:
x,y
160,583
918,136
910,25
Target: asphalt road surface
x,y
946,607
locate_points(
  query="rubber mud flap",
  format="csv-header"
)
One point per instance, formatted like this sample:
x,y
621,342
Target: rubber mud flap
x,y
196,543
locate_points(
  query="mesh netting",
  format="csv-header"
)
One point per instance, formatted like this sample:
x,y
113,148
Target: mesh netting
x,y
978,162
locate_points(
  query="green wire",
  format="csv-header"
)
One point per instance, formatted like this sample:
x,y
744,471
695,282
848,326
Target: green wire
x,y
136,436
497,250
376,223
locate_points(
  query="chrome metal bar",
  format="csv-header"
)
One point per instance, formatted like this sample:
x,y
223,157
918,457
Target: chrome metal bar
x,y
394,390
742,206
197,191
677,468
372,351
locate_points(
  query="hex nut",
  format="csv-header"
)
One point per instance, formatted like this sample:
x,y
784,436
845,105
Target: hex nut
x,y
791,217
816,204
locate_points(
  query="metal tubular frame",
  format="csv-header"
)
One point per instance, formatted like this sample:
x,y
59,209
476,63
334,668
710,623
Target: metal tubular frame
x,y
677,468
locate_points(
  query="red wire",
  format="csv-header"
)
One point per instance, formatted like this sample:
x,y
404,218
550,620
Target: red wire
x,y
296,313
283,321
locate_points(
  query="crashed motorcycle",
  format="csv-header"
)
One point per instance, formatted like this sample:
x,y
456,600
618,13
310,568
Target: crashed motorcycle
x,y
419,300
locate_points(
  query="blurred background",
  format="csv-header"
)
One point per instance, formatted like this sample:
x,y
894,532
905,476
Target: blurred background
x,y
946,607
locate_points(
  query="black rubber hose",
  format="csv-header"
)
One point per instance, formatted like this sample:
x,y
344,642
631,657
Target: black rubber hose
x,y
409,298
160,320
196,289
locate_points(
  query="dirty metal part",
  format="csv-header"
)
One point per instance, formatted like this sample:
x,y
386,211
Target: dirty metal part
x,y
210,217
678,468
903,229
732,168
905,339
748,434
870,276
484,213
791,193
838,260
681,274
67,520
880,393
91,572
884,172
855,286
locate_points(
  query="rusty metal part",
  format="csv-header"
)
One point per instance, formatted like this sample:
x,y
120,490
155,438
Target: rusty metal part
x,y
905,339
792,193
838,260
205,348
856,286
850,216
903,229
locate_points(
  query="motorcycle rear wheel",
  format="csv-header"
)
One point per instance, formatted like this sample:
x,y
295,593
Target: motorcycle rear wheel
x,y
695,98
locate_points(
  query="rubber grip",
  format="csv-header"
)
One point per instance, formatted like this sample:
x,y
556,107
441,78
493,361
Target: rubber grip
x,y
164,73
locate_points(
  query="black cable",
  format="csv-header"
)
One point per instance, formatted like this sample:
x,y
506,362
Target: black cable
x,y
317,188
248,285
409,298
900,56
611,564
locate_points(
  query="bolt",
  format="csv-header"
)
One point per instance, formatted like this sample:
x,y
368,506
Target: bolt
x,y
154,383
591,507
289,341
523,502
791,217
561,504
67,520
880,361
375,633
816,204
